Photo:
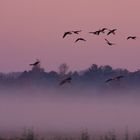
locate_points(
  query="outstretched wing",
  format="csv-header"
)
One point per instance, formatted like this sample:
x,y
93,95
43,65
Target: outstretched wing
x,y
108,80
66,33
119,77
62,82
65,81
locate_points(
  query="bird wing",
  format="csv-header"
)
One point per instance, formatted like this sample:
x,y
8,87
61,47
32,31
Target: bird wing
x,y
76,32
66,80
118,77
69,79
78,39
121,76
131,37
62,82
109,33
104,29
66,33
106,40
108,80
128,37
32,64
98,32
113,31
92,32
82,39
112,43
109,43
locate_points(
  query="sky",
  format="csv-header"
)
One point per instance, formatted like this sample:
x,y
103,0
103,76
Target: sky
x,y
33,29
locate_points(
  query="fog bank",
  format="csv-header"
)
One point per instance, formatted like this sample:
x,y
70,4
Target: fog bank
x,y
58,112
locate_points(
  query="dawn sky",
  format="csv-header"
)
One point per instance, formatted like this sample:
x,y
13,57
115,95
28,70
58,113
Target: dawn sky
x,y
33,29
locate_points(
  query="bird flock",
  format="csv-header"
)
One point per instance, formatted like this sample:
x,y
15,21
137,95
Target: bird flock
x,y
68,79
106,31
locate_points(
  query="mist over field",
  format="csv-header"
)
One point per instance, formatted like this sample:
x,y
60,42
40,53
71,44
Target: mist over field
x,y
61,111
69,67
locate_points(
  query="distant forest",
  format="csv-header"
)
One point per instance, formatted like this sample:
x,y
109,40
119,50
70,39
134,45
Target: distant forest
x,y
94,77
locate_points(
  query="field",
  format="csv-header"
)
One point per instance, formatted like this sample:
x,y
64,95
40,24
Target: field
x,y
29,134
57,116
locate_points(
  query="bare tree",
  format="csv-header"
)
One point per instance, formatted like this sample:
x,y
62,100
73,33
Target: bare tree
x,y
63,69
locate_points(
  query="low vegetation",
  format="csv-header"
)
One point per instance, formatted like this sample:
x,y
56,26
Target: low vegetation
x,y
29,134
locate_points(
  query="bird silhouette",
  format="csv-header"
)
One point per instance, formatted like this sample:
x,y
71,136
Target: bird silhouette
x,y
111,32
67,33
77,32
109,43
131,37
36,63
114,78
79,39
67,80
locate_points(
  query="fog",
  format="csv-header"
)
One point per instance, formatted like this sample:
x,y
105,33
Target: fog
x,y
53,111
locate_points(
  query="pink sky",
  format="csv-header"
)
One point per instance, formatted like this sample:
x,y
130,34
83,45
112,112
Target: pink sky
x,y
31,29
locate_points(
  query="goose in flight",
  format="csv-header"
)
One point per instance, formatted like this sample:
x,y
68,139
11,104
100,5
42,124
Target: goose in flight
x,y
109,43
111,32
77,32
36,63
67,33
79,39
114,78
67,80
131,37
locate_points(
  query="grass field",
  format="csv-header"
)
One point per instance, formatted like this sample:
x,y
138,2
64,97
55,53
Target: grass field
x,y
29,134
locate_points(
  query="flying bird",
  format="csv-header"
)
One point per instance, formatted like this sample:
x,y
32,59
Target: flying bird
x,y
79,39
131,37
114,78
109,43
36,63
67,80
77,32
111,32
67,33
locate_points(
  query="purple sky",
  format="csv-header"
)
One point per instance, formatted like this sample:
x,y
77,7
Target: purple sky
x,y
31,29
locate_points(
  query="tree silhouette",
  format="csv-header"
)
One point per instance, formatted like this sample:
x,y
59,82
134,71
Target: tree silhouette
x,y
63,69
